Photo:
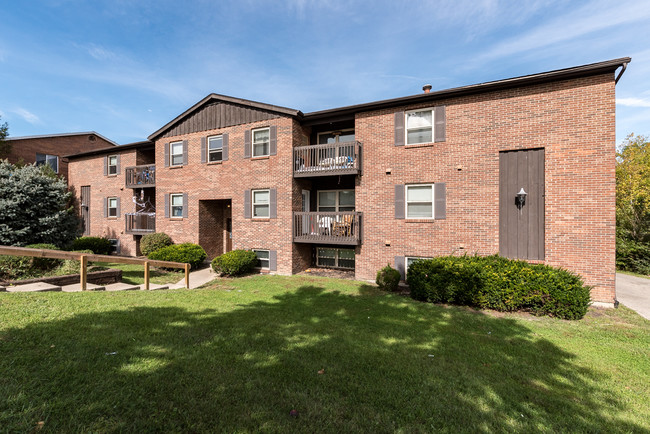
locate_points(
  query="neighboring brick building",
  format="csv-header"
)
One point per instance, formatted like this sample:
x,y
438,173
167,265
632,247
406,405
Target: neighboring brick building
x,y
361,186
51,148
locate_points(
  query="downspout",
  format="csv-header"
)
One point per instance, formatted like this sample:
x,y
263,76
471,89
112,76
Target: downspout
x,y
620,74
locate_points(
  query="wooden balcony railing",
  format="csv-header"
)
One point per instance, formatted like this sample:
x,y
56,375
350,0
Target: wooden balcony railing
x,y
140,176
341,158
140,223
327,227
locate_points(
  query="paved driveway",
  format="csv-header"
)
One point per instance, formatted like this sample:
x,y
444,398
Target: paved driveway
x,y
634,292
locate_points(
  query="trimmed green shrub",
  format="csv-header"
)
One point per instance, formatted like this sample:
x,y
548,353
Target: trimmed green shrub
x,y
152,242
500,284
189,253
235,262
98,245
388,278
45,263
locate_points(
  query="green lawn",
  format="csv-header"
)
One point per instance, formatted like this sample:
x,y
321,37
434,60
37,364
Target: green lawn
x,y
134,273
239,355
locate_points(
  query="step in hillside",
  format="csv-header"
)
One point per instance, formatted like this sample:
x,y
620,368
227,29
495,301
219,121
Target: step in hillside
x,y
121,286
76,287
2,289
34,287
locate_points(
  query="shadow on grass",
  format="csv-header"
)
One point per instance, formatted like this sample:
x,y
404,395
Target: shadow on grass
x,y
388,366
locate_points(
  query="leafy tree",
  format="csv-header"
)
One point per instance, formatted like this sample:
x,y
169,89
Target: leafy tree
x,y
633,188
35,207
633,205
5,147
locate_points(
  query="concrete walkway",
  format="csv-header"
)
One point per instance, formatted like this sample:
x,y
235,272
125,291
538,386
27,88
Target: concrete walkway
x,y
197,278
634,292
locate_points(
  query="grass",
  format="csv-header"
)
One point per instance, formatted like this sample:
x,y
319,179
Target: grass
x,y
134,273
239,355
632,273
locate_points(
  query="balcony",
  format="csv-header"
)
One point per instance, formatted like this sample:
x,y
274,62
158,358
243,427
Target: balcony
x,y
327,227
341,158
140,223
141,176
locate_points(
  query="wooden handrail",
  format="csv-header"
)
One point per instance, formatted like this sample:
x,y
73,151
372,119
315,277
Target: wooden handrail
x,y
85,257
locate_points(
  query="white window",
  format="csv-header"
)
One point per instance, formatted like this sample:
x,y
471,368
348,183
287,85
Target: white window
x,y
115,245
176,204
50,160
335,200
261,203
419,201
112,165
261,142
111,205
263,259
419,126
335,258
410,260
215,148
176,154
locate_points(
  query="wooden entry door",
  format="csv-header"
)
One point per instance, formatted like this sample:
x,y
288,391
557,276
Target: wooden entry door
x,y
85,208
521,228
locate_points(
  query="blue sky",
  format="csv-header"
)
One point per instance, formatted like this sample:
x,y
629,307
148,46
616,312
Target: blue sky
x,y
124,68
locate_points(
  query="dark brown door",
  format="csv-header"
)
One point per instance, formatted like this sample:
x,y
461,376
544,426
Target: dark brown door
x,y
228,234
85,208
521,227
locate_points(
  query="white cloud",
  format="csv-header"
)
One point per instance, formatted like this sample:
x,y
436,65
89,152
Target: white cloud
x,y
100,53
27,115
633,102
590,18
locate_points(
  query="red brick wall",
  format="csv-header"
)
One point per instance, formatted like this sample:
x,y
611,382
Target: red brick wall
x,y
90,171
25,150
573,120
229,180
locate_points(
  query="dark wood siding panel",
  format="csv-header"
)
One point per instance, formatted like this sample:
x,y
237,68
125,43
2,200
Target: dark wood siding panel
x,y
218,115
521,232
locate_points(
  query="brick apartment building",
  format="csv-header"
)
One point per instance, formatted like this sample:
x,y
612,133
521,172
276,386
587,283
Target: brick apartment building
x,y
358,187
50,149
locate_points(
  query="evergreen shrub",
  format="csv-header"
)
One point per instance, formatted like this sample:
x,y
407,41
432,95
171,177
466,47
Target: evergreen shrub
x,y
501,284
235,262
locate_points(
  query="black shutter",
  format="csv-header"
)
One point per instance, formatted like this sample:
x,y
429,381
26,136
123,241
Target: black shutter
x,y
440,126
273,145
247,144
273,203
247,204
399,201
204,150
166,206
186,205
399,129
166,154
105,207
224,152
440,198
118,209
400,265
117,164
273,260
105,165
184,152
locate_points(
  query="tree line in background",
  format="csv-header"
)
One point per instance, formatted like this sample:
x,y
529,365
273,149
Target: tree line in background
x,y
633,205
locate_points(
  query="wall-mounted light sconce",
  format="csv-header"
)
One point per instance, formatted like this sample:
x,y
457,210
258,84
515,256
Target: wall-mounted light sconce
x,y
520,198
